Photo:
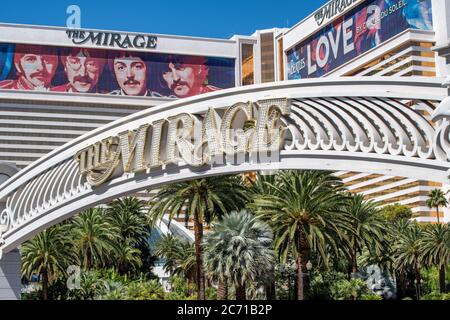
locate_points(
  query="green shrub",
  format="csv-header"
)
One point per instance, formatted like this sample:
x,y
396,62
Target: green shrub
x,y
348,289
436,296
370,297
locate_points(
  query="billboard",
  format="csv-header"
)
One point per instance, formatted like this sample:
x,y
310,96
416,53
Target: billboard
x,y
361,29
111,72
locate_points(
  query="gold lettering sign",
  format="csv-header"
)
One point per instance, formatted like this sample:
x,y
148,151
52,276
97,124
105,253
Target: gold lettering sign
x,y
192,139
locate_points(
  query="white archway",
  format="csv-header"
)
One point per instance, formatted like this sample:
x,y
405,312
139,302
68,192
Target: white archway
x,y
391,126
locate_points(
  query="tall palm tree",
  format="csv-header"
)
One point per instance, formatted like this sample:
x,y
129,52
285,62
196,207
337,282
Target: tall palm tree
x,y
435,248
202,199
407,251
369,228
48,254
437,199
94,238
239,249
305,210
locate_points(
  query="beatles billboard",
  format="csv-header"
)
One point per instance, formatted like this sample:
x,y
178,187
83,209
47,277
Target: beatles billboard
x,y
361,29
113,72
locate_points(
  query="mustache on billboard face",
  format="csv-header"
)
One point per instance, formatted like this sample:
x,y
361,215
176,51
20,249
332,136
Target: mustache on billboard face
x,y
84,79
132,82
41,74
178,83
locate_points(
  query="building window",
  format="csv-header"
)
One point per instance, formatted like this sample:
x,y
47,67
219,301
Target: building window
x,y
267,58
247,65
280,60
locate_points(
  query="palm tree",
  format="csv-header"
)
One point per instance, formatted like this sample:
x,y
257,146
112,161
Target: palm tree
x,y
186,263
126,257
239,249
201,199
407,251
168,248
94,238
437,199
435,248
129,216
305,210
48,254
369,228
179,257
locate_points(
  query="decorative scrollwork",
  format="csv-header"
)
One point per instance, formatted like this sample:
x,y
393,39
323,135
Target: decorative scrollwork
x,y
366,125
441,142
5,218
43,192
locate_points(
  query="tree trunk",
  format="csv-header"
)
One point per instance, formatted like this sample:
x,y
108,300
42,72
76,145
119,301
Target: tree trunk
x,y
44,285
240,292
417,282
437,214
88,259
302,258
198,230
270,287
222,290
442,279
354,254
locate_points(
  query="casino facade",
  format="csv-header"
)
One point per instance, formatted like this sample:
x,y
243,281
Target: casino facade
x,y
58,84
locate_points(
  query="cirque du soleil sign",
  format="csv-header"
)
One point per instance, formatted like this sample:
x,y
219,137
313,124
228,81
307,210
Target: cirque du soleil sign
x,y
111,39
241,129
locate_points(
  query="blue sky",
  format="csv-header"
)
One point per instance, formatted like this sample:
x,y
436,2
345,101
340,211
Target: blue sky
x,y
192,18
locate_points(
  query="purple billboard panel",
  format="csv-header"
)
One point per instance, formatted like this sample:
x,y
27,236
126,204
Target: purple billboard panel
x,y
363,28
99,71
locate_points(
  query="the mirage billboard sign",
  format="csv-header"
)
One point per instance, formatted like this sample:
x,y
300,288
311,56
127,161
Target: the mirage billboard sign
x,y
356,32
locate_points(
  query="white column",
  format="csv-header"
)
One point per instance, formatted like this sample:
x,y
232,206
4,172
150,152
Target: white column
x,y
441,26
9,262
10,276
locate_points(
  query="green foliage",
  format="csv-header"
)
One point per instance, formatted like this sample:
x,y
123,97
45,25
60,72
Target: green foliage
x,y
179,256
396,212
430,278
322,282
435,245
370,297
369,228
435,295
47,255
351,289
94,237
407,249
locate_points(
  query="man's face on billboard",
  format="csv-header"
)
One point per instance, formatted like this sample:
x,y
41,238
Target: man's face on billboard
x,y
83,71
37,69
131,74
181,78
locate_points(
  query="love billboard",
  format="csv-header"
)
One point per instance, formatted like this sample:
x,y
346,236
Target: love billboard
x,y
361,29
